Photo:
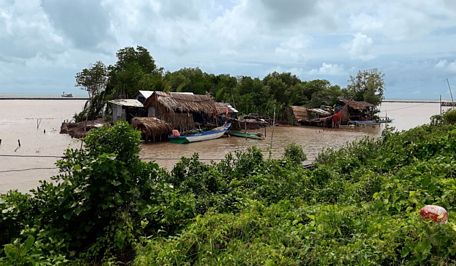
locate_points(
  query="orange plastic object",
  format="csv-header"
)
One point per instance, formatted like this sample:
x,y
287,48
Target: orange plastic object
x,y
175,133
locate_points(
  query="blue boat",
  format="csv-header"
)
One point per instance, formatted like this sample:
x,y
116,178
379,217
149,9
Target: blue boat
x,y
206,135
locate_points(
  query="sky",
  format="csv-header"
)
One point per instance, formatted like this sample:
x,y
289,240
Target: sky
x,y
44,43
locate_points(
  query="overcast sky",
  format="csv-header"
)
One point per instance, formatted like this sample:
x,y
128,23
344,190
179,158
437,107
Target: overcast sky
x,y
43,43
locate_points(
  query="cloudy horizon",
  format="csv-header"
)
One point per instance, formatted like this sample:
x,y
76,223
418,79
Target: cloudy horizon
x,y
44,43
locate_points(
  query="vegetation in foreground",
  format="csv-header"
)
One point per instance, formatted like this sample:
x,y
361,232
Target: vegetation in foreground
x,y
358,206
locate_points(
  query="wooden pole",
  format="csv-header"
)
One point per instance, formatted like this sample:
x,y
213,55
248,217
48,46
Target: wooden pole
x,y
272,135
440,104
451,93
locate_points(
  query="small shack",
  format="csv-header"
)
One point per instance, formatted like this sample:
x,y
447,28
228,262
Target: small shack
x,y
299,115
351,110
296,114
152,128
182,111
126,109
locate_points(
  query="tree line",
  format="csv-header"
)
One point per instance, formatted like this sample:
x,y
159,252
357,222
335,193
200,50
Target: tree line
x,y
136,70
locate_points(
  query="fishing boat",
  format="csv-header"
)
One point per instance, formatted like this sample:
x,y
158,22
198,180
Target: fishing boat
x,y
205,135
67,95
247,135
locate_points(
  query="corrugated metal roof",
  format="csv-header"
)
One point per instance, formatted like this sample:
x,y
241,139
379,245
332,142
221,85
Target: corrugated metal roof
x,y
319,111
127,102
299,112
146,94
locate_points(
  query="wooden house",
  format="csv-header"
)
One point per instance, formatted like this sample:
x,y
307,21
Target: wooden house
x,y
126,109
182,111
351,110
299,115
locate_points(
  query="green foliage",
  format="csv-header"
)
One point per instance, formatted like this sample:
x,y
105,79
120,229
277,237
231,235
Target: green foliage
x,y
367,85
93,80
15,210
358,206
294,153
134,70
450,116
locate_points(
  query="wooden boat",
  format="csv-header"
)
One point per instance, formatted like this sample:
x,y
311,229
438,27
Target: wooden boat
x,y
247,135
206,135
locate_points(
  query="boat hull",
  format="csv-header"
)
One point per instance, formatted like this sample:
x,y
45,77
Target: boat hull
x,y
207,135
247,135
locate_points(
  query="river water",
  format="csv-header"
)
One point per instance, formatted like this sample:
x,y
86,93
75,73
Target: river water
x,y
36,124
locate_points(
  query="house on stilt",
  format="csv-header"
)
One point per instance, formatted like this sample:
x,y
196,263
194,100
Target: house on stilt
x,y
182,111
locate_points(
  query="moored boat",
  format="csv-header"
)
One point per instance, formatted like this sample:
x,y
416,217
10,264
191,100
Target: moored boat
x,y
205,135
247,135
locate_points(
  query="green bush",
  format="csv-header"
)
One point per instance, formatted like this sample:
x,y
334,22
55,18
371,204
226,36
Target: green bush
x,y
358,206
294,153
450,116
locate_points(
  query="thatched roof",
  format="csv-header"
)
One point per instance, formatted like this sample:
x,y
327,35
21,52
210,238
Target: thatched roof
x,y
299,112
183,102
358,105
151,127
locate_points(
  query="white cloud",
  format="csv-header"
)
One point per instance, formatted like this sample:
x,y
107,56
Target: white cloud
x,y
328,69
294,48
25,31
445,65
360,47
241,37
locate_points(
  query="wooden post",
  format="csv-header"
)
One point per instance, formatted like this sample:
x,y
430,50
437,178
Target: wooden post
x,y
440,104
272,135
449,88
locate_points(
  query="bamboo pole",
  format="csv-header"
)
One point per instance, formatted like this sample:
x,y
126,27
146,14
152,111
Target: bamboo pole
x,y
272,134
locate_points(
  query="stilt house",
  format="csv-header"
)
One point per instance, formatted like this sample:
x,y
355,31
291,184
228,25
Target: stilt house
x,y
182,111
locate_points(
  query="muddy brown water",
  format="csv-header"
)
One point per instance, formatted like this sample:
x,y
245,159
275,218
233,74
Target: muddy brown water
x,y
36,124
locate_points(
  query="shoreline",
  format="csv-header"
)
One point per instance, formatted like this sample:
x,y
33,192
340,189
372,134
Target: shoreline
x,y
45,98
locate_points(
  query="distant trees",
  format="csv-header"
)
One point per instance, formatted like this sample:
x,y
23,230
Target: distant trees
x,y
367,85
136,70
93,79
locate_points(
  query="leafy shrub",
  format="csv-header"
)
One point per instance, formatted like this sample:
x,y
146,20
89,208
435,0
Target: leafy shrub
x,y
450,116
294,153
358,206
15,210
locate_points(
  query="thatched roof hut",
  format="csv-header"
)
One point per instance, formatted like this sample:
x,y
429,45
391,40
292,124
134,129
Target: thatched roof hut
x,y
356,110
299,115
358,105
181,110
153,129
183,102
296,114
